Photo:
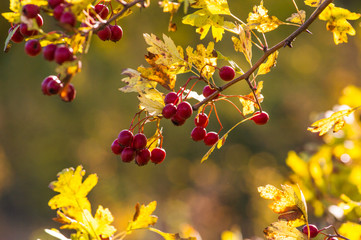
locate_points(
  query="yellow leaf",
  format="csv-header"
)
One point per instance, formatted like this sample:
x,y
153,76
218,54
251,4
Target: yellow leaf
x,y
313,3
350,230
298,165
168,6
230,61
351,96
235,234
103,218
135,83
152,102
249,102
336,120
337,23
261,21
271,62
142,217
153,141
281,231
298,17
203,59
12,17
170,236
243,44
213,6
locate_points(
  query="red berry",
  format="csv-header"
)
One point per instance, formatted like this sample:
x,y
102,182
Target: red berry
x,y
44,84
142,157
260,118
54,3
207,91
184,110
68,18
171,97
201,120
157,155
105,33
25,32
58,11
31,10
49,52
116,147
177,121
63,54
211,138
116,33
127,154
32,47
101,10
17,36
198,133
227,73
169,110
139,141
39,20
313,230
68,93
125,138
54,86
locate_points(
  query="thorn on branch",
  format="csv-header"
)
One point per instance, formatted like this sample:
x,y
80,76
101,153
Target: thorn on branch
x,y
288,44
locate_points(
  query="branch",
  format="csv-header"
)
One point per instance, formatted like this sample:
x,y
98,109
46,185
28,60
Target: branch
x,y
286,42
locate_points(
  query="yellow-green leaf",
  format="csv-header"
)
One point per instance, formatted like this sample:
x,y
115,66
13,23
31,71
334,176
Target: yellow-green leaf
x,y
203,59
152,102
249,102
12,17
350,230
243,44
298,17
271,62
213,6
260,20
135,83
313,3
281,231
170,236
143,217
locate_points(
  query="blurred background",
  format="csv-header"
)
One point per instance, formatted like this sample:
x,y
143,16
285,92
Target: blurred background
x,y
41,135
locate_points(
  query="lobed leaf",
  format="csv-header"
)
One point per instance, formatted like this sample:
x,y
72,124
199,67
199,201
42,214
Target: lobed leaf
x,y
203,59
313,3
244,43
298,17
249,102
142,217
213,6
282,231
265,68
261,21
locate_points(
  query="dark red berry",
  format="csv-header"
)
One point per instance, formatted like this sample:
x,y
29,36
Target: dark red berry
x,y
25,32
142,157
116,147
157,155
54,86
58,11
139,141
201,120
49,52
116,33
127,154
17,36
207,91
227,73
68,93
260,118
198,133
68,18
105,33
177,121
211,138
125,138
63,54
31,10
39,20
32,47
44,84
171,97
101,10
313,230
54,3
169,110
184,110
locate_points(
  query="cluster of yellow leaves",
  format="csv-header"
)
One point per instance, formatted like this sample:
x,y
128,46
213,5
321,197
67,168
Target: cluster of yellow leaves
x,y
249,102
261,21
203,59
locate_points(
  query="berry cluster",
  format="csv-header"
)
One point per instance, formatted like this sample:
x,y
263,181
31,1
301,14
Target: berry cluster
x,y
199,133
131,147
178,113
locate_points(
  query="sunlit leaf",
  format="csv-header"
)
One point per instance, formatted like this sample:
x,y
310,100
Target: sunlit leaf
x,y
12,17
313,3
260,20
298,165
152,101
230,61
69,68
235,234
271,62
350,230
336,120
281,231
153,141
351,96
203,59
244,44
249,102
213,6
298,17
135,83
143,217
170,236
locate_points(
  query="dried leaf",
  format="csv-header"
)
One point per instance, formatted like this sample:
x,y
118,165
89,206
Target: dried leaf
x,y
298,17
244,43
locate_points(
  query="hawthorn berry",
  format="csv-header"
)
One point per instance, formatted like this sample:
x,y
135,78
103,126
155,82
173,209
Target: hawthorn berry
x,y
32,47
128,154
68,18
54,86
260,118
63,54
184,110
211,138
157,155
125,138
31,10
177,120
116,33
142,157
313,230
201,120
58,11
171,97
17,36
101,10
49,52
226,73
68,93
139,141
198,133
44,84
116,147
105,33
207,91
169,110
54,3
25,32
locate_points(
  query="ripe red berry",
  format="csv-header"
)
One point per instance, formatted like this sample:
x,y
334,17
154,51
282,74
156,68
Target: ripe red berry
x,y
139,141
116,147
313,230
184,110
207,91
68,18
49,52
169,110
177,121
17,36
32,47
157,155
116,33
54,3
201,120
260,118
198,133
44,84
171,97
68,93
63,54
31,10
101,10
105,33
127,154
227,73
58,11
211,138
54,86
39,20
25,32
125,138
142,157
